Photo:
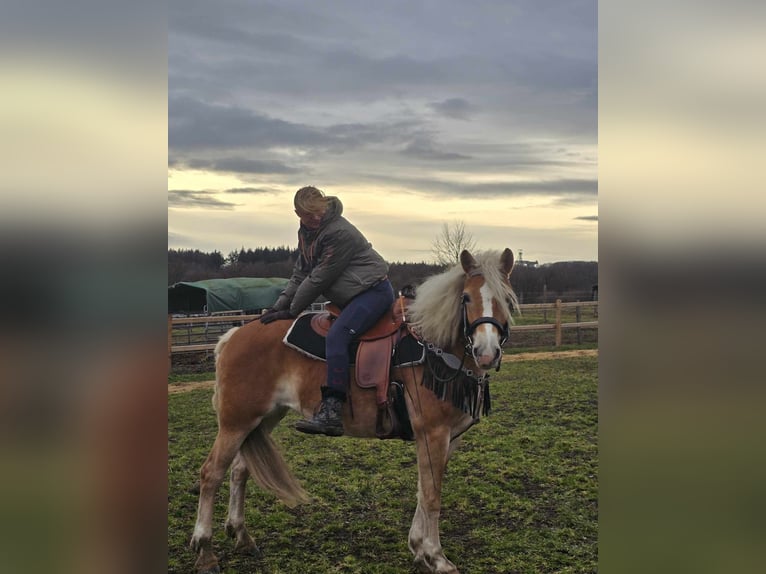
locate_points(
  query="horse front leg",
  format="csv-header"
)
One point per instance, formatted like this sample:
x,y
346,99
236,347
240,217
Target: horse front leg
x,y
235,521
212,474
433,449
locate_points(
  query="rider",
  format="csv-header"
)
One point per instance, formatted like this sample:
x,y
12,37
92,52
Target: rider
x,y
334,260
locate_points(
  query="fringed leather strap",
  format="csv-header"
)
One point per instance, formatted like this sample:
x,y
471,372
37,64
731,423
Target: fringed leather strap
x,y
445,376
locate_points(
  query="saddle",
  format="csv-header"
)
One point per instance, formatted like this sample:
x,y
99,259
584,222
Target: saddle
x,y
376,346
373,363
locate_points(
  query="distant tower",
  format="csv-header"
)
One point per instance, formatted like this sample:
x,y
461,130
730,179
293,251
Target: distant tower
x,y
521,252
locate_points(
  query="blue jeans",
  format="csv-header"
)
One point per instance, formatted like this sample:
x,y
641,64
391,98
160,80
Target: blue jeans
x,y
362,312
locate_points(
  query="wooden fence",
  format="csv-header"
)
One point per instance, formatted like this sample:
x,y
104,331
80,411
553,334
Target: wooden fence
x,y
186,334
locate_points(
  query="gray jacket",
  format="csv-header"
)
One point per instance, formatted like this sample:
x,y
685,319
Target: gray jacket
x,y
335,261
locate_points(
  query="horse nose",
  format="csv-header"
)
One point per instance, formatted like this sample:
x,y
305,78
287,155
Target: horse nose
x,y
488,359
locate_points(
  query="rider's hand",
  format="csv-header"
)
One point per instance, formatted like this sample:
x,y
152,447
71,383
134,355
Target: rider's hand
x,y
270,316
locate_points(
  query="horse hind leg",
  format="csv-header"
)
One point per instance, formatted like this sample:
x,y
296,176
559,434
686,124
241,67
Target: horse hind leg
x,y
212,474
235,521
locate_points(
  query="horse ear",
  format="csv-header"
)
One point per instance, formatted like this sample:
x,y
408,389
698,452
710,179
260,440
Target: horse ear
x,y
506,262
467,261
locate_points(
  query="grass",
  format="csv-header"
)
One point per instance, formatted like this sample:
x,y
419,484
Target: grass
x,y
520,494
176,378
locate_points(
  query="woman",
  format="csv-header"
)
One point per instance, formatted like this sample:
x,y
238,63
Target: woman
x,y
334,260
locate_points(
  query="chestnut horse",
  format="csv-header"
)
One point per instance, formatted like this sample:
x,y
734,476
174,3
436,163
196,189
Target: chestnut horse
x,y
463,312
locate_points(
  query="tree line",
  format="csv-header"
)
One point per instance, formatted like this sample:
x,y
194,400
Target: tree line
x,y
567,280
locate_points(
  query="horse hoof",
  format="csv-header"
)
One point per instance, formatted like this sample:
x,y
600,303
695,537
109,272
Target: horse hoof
x,y
422,565
428,565
207,566
248,548
231,532
252,551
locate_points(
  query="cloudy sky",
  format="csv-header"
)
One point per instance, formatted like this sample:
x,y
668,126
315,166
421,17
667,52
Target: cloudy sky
x,y
414,113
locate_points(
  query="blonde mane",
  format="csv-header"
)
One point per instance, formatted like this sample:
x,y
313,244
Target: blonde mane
x,y
435,314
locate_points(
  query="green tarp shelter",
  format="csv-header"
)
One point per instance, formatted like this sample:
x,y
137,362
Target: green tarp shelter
x,y
249,294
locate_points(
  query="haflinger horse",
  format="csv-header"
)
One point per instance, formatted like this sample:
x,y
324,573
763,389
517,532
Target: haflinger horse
x,y
462,314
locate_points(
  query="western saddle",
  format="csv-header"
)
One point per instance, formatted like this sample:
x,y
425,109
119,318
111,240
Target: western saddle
x,y
373,357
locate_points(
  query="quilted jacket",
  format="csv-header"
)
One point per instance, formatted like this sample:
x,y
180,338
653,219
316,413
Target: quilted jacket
x,y
335,260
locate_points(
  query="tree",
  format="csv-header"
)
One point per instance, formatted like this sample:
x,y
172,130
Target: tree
x,y
450,242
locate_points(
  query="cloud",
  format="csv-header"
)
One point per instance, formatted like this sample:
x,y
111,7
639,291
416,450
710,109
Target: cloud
x,y
182,198
585,186
564,191
423,148
175,237
569,191
193,124
251,190
238,165
456,108
587,218
294,49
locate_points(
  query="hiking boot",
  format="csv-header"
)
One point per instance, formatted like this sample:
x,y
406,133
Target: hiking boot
x,y
328,419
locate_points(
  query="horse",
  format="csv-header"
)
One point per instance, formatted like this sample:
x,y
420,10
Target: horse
x,y
463,313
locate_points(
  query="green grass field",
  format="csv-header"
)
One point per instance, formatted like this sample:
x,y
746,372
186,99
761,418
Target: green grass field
x,y
520,494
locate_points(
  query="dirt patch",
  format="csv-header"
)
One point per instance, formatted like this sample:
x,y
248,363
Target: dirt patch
x,y
551,355
183,387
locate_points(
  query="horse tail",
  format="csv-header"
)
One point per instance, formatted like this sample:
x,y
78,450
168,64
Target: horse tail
x,y
269,469
219,346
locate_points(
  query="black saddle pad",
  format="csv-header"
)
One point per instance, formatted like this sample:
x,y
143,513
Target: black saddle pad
x,y
409,352
304,339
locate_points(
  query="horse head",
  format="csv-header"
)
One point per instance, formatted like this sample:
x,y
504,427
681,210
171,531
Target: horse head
x,y
485,309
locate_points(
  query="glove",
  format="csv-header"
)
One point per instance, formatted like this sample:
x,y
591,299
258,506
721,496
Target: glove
x,y
270,316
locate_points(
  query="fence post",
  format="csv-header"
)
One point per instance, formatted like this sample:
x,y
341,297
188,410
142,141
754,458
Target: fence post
x,y
558,322
577,320
170,342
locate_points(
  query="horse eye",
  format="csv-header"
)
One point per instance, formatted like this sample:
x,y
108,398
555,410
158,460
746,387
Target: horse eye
x,y
466,298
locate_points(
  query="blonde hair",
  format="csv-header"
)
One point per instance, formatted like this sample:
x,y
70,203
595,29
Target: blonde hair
x,y
310,200
436,314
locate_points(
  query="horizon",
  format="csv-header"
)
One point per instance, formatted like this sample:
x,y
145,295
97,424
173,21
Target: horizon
x,y
390,262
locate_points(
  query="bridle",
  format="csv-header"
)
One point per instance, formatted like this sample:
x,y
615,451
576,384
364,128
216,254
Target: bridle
x,y
469,329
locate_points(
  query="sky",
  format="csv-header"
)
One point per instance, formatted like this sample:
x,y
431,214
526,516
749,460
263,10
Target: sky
x,y
413,113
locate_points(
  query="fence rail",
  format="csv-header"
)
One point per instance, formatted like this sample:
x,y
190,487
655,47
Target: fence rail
x,y
199,330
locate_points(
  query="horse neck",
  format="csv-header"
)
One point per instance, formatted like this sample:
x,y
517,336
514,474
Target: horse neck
x,y
459,349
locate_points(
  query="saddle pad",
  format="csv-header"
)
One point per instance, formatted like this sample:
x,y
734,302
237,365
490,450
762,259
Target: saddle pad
x,y
409,352
304,339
